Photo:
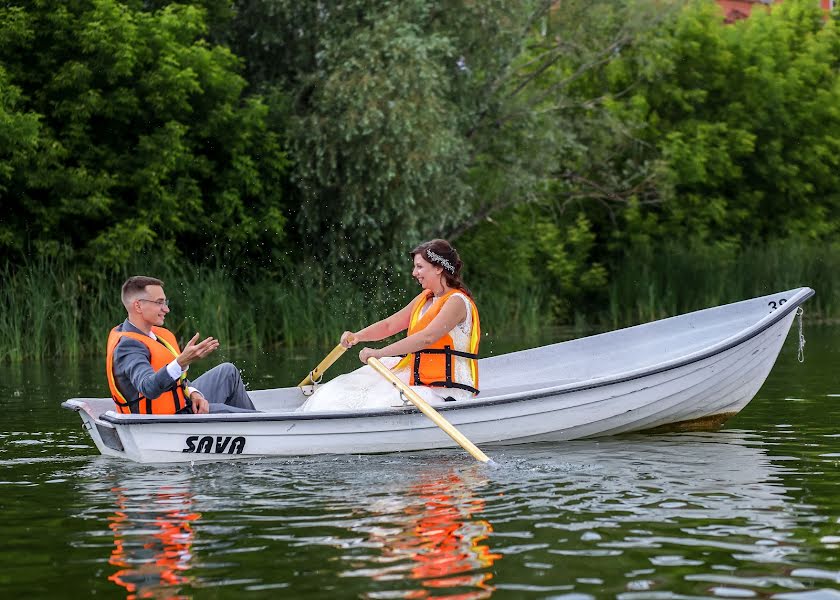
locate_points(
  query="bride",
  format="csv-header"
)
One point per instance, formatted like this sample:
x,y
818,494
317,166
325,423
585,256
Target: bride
x,y
440,350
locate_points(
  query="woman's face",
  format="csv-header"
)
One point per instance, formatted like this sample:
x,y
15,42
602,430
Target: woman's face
x,y
426,274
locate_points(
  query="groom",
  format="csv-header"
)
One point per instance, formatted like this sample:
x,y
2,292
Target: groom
x,y
147,372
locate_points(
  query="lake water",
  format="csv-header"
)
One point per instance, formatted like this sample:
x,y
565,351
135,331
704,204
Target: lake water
x,y
749,511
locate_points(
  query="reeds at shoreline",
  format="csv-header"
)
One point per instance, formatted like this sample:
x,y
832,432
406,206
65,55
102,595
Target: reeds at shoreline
x,y
49,309
676,280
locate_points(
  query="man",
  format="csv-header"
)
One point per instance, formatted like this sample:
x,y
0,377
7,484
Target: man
x,y
147,371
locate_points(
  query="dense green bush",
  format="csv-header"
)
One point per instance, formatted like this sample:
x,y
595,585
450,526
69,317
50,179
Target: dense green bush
x,y
743,118
126,131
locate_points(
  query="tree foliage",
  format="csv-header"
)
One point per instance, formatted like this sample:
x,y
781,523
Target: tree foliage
x,y
379,157
133,133
745,119
692,130
547,139
421,118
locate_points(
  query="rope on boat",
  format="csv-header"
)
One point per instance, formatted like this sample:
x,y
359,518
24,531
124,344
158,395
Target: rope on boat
x,y
800,353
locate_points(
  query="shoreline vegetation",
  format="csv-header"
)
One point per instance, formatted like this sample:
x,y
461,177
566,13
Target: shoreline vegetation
x,y
52,310
597,163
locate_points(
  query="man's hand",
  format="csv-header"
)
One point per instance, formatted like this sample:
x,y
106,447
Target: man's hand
x,y
193,351
199,403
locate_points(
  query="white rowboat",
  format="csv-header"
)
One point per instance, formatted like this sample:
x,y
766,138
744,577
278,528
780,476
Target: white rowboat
x,y
688,372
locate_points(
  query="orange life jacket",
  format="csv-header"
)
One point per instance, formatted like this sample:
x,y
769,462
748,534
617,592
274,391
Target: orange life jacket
x,y
434,366
163,351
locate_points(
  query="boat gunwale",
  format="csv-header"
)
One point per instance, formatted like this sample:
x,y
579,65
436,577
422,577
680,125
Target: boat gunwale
x,y
802,294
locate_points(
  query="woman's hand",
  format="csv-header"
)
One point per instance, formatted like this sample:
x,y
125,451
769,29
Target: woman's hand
x,y
367,353
349,339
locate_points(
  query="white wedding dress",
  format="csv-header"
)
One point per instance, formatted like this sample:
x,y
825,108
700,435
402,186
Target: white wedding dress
x,y
364,388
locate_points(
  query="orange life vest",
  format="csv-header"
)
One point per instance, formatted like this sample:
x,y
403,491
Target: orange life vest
x,y
434,366
163,351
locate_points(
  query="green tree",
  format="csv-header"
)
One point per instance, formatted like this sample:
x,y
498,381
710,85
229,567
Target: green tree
x,y
744,119
421,118
143,134
379,158
717,136
555,167
21,147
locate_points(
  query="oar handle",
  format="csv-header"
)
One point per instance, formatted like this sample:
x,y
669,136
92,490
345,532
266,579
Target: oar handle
x,y
430,412
329,359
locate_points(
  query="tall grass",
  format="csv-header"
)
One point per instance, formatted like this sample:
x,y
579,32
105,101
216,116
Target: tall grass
x,y
50,309
47,308
675,279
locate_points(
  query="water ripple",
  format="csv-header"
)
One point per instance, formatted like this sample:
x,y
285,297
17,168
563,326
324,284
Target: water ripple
x,y
681,516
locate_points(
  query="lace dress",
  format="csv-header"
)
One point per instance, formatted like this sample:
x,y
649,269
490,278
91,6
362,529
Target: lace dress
x,y
364,388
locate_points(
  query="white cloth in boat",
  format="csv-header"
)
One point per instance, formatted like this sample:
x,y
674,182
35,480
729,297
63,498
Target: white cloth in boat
x,y
364,388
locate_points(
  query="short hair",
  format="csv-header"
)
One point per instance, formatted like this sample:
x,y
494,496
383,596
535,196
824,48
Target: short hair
x,y
136,285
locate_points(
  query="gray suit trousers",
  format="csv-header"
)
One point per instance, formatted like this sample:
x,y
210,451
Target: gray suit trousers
x,y
222,386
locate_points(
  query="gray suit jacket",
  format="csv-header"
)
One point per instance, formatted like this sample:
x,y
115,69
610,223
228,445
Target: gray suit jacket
x,y
133,371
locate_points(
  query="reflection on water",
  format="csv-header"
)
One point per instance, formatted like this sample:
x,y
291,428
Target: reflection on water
x,y
152,541
438,542
427,531
682,513
444,542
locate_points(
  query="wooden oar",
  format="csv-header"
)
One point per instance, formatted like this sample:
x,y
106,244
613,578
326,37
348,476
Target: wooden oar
x,y
430,412
316,373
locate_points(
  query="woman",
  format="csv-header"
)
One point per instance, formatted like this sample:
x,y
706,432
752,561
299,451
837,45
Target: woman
x,y
440,350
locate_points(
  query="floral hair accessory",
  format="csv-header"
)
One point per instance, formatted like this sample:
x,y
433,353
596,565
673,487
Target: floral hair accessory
x,y
437,258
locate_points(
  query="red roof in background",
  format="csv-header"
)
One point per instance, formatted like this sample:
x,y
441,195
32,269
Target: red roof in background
x,y
734,10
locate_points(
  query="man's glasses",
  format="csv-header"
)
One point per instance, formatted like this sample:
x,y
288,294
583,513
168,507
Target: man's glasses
x,y
158,302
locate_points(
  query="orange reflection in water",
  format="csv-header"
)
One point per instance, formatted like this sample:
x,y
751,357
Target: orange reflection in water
x,y
152,543
445,543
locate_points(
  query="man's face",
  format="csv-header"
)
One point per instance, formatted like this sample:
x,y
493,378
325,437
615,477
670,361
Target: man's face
x,y
153,305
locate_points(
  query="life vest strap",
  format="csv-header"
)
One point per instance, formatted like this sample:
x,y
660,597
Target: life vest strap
x,y
132,404
128,403
451,384
447,351
448,383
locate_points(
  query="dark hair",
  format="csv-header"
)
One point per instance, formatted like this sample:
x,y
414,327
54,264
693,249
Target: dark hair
x,y
441,253
136,285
